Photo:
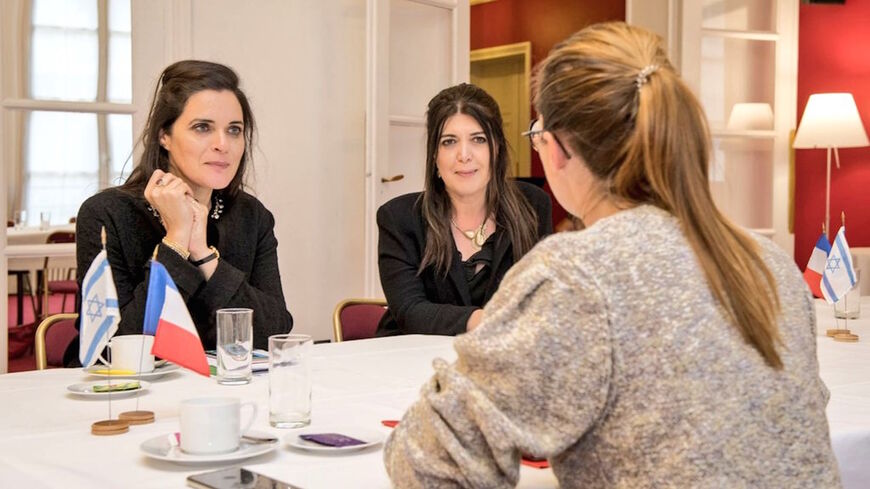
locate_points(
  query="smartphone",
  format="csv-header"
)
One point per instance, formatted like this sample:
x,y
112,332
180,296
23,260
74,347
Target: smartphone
x,y
235,478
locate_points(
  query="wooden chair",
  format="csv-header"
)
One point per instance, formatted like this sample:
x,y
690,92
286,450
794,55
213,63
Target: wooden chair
x,y
58,280
50,346
356,319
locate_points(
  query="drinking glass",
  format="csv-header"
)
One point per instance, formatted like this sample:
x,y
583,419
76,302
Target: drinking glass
x,y
19,218
235,333
44,220
849,306
290,380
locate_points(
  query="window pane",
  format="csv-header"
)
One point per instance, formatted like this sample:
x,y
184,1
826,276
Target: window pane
x,y
79,14
61,163
119,15
64,63
120,147
120,83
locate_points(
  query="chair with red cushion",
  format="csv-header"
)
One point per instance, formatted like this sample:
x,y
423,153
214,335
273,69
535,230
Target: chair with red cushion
x,y
53,336
58,280
356,319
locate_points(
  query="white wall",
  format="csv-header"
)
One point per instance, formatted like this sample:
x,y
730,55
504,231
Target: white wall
x,y
302,65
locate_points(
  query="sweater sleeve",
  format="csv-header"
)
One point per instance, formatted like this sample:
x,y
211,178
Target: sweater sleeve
x,y
532,378
399,256
261,291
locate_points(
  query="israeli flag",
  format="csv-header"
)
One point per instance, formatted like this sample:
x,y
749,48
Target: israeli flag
x,y
100,315
839,276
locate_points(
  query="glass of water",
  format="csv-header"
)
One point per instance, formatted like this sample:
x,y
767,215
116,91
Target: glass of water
x,y
290,380
235,333
44,220
19,219
849,306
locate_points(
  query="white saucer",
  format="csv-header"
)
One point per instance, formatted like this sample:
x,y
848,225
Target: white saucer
x,y
161,448
154,374
87,389
370,437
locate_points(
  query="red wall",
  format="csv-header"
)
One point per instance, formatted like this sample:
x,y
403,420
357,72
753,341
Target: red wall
x,y
832,57
543,23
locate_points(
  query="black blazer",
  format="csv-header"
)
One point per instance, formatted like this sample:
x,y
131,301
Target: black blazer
x,y
430,303
246,275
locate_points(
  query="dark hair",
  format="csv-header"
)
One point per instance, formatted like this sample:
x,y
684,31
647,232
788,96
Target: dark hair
x,y
611,92
503,199
178,82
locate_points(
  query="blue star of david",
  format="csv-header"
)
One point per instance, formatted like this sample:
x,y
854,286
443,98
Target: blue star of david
x,y
833,264
95,308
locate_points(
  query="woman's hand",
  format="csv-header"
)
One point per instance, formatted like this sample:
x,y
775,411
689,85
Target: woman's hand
x,y
198,244
170,196
474,320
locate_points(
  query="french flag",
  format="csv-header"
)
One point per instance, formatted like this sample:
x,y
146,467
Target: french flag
x,y
168,320
816,266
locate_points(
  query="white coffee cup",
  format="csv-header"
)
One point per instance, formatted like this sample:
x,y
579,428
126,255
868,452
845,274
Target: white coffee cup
x,y
212,425
132,352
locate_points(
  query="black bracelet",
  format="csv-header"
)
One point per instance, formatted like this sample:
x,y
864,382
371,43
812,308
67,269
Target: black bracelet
x,y
215,254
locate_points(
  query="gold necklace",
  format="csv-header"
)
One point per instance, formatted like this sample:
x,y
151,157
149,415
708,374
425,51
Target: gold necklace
x,y
477,236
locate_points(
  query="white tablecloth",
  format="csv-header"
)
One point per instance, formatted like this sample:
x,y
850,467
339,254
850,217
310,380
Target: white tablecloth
x,y
845,368
34,235
45,439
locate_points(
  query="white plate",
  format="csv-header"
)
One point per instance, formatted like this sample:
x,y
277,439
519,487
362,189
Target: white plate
x,y
162,448
87,389
154,374
370,437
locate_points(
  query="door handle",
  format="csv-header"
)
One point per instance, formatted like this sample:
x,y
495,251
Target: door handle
x,y
394,178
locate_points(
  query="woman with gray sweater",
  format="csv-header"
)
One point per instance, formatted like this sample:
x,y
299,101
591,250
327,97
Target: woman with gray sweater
x,y
662,346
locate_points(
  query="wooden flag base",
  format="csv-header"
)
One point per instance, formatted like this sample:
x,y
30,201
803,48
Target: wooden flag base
x,y
110,427
834,332
137,417
846,337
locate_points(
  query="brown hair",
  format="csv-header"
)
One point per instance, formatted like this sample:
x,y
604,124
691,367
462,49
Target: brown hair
x,y
503,199
178,82
646,138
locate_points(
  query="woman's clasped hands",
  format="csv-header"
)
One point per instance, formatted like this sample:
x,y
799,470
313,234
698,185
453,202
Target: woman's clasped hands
x,y
184,219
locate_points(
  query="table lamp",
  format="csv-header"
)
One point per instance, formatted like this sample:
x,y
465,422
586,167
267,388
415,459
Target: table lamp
x,y
830,121
750,117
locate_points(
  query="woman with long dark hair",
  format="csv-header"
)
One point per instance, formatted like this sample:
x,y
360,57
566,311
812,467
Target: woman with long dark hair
x,y
185,202
662,345
443,252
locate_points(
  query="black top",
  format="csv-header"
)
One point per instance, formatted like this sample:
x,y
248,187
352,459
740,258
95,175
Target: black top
x,y
246,275
431,303
479,279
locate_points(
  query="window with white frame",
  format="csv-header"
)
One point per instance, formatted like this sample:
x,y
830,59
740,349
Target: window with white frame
x,y
78,119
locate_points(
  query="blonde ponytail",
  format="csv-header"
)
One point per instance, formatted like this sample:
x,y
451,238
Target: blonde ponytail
x,y
642,130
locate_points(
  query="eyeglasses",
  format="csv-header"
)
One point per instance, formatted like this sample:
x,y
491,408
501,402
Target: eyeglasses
x,y
534,134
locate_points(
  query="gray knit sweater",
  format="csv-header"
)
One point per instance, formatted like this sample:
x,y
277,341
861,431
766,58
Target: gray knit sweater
x,y
605,351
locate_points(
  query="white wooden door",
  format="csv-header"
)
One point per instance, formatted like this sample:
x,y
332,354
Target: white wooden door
x,y
415,48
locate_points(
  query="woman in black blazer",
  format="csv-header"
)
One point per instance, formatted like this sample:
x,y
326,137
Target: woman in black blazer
x,y
443,252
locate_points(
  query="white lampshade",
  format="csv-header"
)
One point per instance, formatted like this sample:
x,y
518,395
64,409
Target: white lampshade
x,y
751,117
831,120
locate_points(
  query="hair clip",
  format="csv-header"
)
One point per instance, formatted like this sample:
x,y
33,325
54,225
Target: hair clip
x,y
643,75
